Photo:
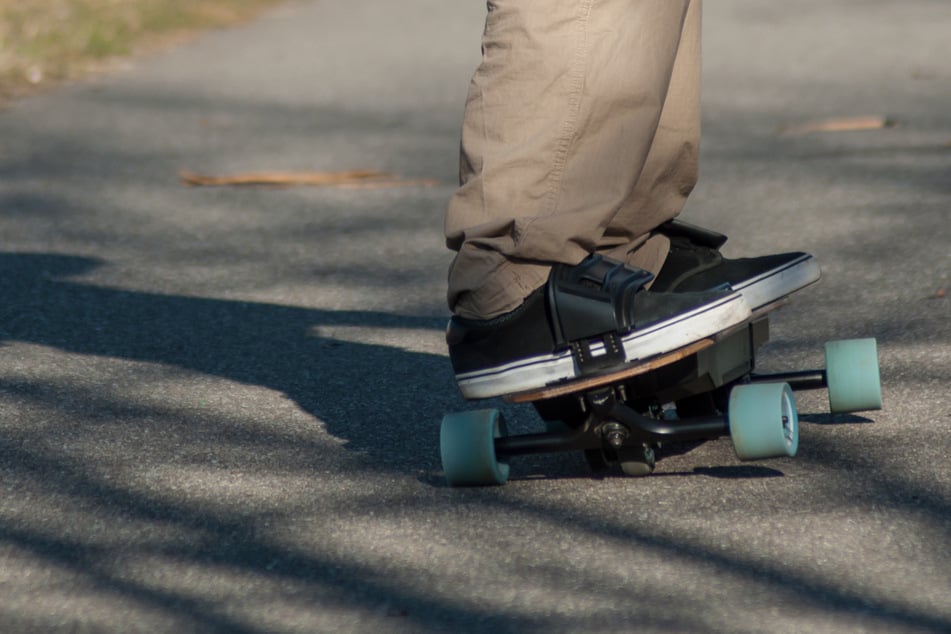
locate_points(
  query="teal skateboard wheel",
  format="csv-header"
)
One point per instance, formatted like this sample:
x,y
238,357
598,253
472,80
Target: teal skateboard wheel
x,y
852,375
763,421
467,448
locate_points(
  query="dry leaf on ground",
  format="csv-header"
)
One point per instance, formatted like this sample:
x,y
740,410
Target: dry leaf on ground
x,y
840,124
368,179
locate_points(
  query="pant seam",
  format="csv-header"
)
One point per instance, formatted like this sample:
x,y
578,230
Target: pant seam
x,y
575,91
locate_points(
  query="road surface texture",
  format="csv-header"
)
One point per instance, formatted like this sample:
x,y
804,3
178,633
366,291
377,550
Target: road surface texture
x,y
219,407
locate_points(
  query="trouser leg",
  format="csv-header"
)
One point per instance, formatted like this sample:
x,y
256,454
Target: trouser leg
x,y
671,169
573,127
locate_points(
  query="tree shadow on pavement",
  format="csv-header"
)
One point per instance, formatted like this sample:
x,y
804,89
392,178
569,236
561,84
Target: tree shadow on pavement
x,y
368,395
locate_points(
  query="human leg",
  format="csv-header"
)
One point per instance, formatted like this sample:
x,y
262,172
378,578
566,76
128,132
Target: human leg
x,y
690,261
559,129
670,170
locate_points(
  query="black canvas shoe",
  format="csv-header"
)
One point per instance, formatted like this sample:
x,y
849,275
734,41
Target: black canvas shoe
x,y
588,319
695,263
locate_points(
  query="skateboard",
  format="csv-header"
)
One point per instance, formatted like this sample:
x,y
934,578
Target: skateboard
x,y
702,391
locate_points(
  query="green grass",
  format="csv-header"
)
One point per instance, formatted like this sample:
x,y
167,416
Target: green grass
x,y
44,41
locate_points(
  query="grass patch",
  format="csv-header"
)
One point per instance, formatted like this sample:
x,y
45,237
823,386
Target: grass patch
x,y
44,41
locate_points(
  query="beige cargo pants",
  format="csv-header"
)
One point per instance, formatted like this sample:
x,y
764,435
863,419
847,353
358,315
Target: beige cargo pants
x,y
580,135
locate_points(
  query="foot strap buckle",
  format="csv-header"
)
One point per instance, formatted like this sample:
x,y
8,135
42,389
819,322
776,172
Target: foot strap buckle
x,y
598,354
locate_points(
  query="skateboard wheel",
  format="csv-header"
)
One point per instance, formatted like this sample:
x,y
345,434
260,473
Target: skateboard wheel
x,y
467,448
852,375
763,421
636,462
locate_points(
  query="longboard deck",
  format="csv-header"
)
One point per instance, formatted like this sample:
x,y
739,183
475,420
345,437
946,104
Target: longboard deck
x,y
582,384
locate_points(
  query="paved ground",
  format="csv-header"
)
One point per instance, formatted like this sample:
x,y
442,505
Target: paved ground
x,y
219,407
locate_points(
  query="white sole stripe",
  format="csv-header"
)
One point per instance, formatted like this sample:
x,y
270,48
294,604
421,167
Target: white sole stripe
x,y
780,282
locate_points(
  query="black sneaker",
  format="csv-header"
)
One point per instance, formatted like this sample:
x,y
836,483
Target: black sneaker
x,y
588,319
696,264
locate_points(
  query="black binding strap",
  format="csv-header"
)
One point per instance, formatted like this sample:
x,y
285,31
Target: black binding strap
x,y
592,303
698,235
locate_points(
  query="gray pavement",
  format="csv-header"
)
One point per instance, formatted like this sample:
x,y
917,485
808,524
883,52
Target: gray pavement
x,y
219,408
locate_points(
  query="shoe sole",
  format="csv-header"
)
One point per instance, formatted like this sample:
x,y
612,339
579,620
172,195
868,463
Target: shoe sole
x,y
536,372
780,282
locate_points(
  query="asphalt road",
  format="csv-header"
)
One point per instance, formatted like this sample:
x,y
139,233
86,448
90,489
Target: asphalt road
x,y
219,407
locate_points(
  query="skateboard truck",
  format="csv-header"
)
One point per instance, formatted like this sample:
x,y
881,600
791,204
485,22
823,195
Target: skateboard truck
x,y
613,425
638,427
